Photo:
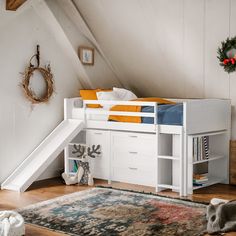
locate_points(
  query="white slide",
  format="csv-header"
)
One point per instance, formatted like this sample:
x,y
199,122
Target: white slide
x,y
37,162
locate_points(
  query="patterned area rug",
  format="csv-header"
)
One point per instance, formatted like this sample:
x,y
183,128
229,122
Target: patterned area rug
x,y
109,212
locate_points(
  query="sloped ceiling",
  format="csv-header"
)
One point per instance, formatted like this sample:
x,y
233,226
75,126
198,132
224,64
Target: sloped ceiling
x,y
164,47
143,39
75,32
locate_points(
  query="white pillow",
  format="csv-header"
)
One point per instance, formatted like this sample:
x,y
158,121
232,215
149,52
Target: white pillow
x,y
108,96
125,94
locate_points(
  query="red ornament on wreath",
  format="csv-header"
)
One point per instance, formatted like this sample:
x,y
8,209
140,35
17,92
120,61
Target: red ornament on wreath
x,y
225,54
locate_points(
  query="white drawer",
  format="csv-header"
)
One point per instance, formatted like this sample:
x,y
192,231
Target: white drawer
x,y
134,176
133,160
134,142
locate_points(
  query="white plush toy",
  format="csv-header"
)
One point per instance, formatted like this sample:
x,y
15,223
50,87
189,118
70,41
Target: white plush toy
x,y
11,224
83,174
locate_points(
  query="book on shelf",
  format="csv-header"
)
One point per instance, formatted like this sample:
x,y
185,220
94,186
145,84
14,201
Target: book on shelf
x,y
200,179
75,166
200,148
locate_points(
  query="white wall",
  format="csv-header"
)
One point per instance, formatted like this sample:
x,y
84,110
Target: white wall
x,y
22,126
100,74
156,47
166,47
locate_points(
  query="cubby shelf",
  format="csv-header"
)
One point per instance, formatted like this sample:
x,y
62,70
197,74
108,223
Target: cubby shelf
x,y
212,180
211,158
74,158
209,133
216,166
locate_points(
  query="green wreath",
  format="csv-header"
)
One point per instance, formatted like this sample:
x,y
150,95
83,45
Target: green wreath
x,y
225,54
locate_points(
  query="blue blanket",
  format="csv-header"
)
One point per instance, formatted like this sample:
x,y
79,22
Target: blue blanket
x,y
166,115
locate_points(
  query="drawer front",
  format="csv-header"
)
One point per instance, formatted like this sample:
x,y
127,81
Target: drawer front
x,y
134,142
101,164
134,176
133,160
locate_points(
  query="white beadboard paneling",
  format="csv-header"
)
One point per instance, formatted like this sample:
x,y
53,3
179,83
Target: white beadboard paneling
x,y
232,85
166,25
216,30
141,41
69,19
23,128
194,48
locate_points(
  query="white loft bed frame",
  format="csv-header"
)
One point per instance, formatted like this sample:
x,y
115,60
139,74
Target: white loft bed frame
x,y
200,116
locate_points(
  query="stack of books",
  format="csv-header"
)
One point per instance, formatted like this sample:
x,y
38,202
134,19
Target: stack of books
x,y
200,148
200,179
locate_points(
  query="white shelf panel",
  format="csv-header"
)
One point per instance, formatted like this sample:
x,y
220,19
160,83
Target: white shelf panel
x,y
212,180
211,158
168,186
170,129
168,157
209,133
74,158
83,144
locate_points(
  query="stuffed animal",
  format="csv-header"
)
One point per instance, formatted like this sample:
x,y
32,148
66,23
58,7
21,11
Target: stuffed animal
x,y
221,216
11,224
83,174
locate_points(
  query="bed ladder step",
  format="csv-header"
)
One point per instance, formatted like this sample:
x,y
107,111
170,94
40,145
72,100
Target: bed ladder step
x,y
168,157
168,165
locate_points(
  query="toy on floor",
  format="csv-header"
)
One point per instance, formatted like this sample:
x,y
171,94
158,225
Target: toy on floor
x,y
221,216
11,224
83,174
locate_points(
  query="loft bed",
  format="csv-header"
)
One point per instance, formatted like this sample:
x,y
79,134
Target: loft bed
x,y
165,135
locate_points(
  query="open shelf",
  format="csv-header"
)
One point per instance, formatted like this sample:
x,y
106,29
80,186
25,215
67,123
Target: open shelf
x,y
74,158
216,146
211,158
209,133
212,180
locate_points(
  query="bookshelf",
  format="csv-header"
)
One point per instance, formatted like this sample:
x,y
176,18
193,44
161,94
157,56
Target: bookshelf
x,y
71,158
205,170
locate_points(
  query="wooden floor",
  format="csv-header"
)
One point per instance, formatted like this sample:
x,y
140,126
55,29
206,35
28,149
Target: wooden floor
x,y
47,189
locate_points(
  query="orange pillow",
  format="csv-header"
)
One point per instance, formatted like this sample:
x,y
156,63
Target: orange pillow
x,y
154,99
128,108
90,94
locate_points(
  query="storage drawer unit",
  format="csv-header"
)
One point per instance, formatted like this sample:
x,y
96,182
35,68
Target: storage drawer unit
x,y
133,158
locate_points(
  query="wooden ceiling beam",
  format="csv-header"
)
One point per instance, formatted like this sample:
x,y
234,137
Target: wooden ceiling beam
x,y
13,5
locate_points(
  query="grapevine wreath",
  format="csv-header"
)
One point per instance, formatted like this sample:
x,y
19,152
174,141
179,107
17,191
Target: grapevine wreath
x,y
227,54
47,76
